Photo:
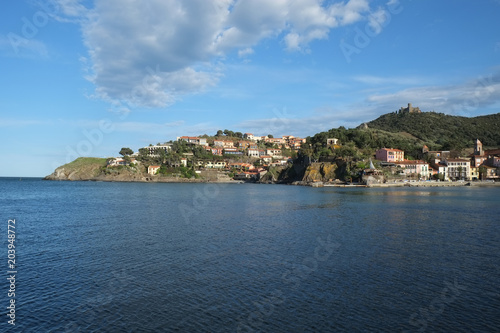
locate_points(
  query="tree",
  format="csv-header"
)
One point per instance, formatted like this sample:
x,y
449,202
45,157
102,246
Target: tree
x,y
270,136
126,151
482,172
228,132
460,169
143,154
161,155
219,133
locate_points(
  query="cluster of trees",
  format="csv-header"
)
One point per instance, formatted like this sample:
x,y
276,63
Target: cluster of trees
x,y
229,133
358,143
232,134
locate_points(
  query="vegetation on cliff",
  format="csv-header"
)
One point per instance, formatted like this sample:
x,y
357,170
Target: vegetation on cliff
x,y
441,131
83,168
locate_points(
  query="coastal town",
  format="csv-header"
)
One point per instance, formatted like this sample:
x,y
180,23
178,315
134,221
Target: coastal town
x,y
248,157
245,158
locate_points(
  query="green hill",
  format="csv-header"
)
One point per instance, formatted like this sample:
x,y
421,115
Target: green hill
x,y
440,131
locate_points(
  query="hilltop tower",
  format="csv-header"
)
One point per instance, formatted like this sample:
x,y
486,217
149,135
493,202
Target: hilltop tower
x,y
410,109
478,148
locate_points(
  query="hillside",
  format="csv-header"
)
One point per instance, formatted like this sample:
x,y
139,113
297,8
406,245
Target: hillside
x,y
442,131
83,168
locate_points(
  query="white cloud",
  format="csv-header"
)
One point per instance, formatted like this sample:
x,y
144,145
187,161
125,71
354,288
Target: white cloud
x,y
382,80
245,52
175,123
281,122
153,53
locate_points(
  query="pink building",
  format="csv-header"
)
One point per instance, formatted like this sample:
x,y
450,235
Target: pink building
x,y
389,155
417,167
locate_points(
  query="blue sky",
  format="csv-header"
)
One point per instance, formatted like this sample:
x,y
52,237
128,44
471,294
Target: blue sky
x,y
85,78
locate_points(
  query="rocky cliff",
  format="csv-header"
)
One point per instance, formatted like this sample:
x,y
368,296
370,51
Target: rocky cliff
x,y
323,172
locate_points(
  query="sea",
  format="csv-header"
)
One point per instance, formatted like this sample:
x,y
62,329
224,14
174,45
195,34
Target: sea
x,y
164,257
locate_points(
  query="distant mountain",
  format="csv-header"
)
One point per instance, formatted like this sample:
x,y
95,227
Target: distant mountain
x,y
439,130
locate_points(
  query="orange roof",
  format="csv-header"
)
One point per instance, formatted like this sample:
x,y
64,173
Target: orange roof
x,y
411,162
458,160
392,149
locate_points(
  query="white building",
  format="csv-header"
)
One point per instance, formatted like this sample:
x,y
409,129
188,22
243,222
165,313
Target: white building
x,y
458,168
152,150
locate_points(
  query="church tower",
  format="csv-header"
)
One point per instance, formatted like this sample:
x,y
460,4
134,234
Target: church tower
x,y
478,148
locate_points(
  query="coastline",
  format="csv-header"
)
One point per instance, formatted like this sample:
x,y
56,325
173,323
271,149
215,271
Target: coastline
x,y
417,184
149,180
300,183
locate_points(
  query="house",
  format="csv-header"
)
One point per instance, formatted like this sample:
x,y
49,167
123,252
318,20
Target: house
x,y
458,168
193,140
389,155
249,136
332,141
246,176
184,161
274,152
242,166
232,151
474,173
215,165
276,141
253,152
279,162
440,168
224,143
153,150
493,161
266,158
218,151
436,153
417,167
119,161
296,143
244,144
491,173
153,169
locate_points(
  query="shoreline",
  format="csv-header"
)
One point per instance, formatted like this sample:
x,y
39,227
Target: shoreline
x,y
417,184
312,184
148,180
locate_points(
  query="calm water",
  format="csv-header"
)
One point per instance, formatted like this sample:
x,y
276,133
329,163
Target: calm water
x,y
138,257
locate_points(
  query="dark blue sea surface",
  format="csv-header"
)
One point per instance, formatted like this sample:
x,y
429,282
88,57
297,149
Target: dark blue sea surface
x,y
144,257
